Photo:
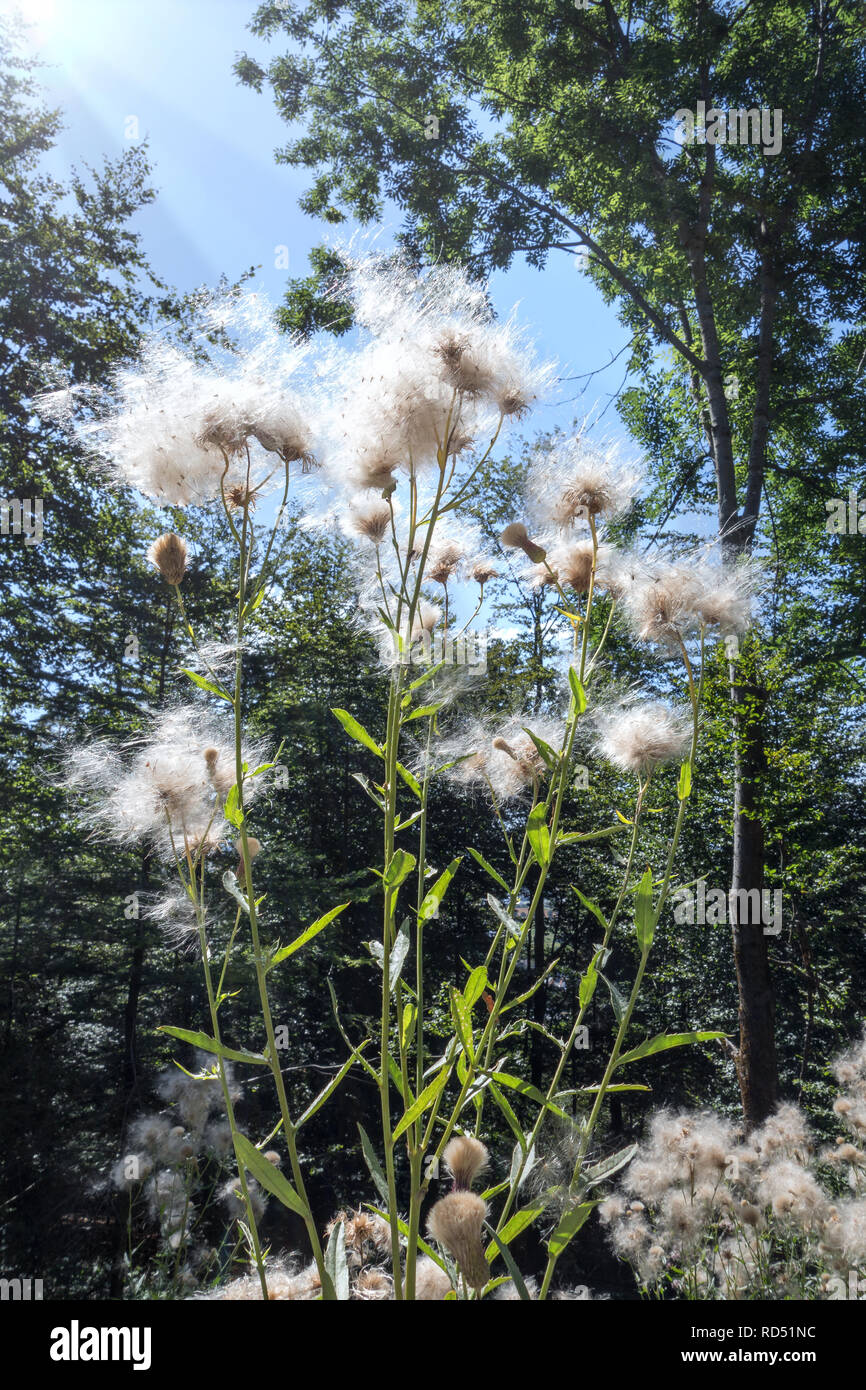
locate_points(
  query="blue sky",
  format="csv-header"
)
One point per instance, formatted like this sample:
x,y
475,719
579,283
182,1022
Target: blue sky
x,y
162,70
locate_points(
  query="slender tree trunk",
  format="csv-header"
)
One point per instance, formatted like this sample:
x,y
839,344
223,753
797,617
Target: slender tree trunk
x,y
756,1062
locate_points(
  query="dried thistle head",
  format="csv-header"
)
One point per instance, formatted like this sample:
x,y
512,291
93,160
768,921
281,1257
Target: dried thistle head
x,y
457,1221
516,536
465,1157
371,520
169,554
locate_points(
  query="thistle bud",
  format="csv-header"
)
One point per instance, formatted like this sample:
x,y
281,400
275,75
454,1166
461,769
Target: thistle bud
x,y
169,555
516,537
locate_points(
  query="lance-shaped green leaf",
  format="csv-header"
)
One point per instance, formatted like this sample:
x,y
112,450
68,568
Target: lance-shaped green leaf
x,y
411,782
511,1118
230,884
663,1041
373,1164
206,685
428,675
569,1227
589,982
577,690
570,837
232,811
357,731
684,784
475,986
591,907
424,1102
519,1222
269,1176
643,913
407,1024
488,868
307,935
399,952
336,1263
430,906
538,834
210,1045
525,1088
508,923
549,757
608,1166
422,712
401,865
331,1087
516,1276
462,1017
618,1001
363,781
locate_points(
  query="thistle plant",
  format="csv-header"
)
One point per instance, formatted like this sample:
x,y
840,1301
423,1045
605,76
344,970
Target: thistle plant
x,y
395,433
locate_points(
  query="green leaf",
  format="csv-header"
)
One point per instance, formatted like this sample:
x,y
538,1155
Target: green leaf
x,y
407,1026
577,690
475,986
422,711
269,1176
516,1276
206,685
488,868
210,1045
232,811
519,1222
618,1002
397,958
373,1164
511,1118
549,757
462,1021
426,1099
525,1088
254,602
230,884
643,913
608,1166
305,936
538,834
411,782
509,923
401,865
619,1086
365,782
569,1227
589,982
591,907
357,731
684,785
663,1041
336,1263
329,1090
428,675
570,837
434,896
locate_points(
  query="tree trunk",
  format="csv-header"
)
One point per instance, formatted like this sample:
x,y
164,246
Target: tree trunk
x,y
757,1068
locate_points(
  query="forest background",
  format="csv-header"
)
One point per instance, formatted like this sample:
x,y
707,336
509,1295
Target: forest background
x,y
737,278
